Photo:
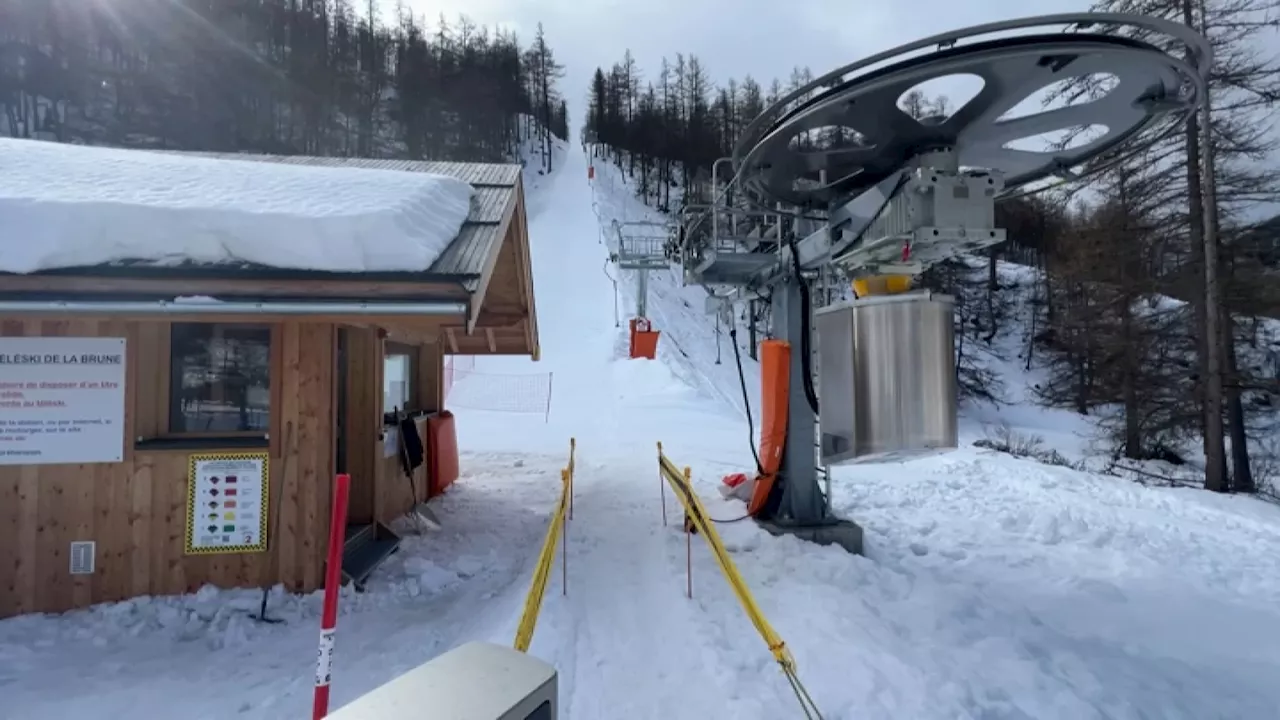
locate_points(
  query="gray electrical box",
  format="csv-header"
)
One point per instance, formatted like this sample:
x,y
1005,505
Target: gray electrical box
x,y
887,378
938,214
477,681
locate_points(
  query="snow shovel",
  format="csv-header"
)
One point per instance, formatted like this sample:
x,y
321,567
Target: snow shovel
x,y
421,516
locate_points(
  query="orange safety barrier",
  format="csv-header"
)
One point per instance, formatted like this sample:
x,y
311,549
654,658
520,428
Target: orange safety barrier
x,y
775,386
644,339
442,452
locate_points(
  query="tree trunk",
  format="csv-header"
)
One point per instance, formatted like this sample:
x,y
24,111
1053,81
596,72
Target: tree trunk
x,y
993,284
1132,427
1241,471
1203,214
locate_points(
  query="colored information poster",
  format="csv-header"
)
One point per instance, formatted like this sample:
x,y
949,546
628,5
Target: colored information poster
x,y
227,503
61,400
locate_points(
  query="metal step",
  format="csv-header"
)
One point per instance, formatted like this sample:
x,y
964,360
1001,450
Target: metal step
x,y
365,548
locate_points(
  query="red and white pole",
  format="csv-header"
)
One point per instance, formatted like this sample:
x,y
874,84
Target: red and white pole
x,y
332,581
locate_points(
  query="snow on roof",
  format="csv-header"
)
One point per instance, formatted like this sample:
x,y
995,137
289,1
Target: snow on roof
x,y
73,206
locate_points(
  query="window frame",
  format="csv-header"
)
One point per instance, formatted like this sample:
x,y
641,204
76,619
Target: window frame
x,y
390,348
172,411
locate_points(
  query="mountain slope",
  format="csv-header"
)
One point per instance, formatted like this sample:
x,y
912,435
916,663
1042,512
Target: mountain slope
x,y
991,586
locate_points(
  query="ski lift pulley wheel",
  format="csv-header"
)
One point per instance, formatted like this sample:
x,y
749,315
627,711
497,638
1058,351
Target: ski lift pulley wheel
x,y
1153,89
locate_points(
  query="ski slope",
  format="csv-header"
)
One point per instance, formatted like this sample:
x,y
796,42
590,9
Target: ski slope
x,y
992,587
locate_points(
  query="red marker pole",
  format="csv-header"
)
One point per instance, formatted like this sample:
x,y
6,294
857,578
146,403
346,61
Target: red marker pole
x,y
332,581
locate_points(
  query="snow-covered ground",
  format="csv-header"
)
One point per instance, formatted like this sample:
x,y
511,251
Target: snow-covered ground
x,y
992,587
204,653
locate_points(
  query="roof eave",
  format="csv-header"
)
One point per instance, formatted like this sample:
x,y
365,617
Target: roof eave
x,y
242,272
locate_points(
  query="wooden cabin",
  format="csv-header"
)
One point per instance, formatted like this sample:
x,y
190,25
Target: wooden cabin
x,y
189,389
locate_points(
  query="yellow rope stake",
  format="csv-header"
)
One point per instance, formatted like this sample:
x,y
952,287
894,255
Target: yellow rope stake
x,y
695,510
573,447
546,558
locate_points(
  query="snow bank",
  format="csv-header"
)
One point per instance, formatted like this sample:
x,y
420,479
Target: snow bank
x,y
994,587
68,206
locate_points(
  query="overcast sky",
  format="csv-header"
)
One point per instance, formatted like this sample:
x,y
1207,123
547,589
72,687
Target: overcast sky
x,y
763,38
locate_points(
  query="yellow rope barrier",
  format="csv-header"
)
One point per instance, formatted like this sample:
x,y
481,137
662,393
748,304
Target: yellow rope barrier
x,y
546,558
697,514
573,448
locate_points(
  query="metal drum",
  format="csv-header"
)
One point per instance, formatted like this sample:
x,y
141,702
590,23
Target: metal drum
x,y
886,378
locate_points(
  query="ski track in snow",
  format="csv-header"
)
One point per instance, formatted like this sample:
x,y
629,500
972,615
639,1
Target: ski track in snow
x,y
628,655
991,587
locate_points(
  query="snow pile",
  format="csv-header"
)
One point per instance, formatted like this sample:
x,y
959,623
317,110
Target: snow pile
x,y
69,206
997,587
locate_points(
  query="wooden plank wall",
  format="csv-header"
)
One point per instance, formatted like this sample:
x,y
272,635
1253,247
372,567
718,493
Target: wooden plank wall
x,y
365,356
136,510
429,385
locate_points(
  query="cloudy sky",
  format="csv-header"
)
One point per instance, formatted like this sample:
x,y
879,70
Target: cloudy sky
x,y
764,38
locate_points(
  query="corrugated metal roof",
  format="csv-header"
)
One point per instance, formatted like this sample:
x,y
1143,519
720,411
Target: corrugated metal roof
x,y
488,204
466,254
495,186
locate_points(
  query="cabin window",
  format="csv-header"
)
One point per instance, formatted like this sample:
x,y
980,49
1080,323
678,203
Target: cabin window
x,y
220,378
397,381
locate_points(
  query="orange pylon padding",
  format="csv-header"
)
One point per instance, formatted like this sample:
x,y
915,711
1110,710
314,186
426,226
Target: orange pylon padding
x,y
644,339
775,386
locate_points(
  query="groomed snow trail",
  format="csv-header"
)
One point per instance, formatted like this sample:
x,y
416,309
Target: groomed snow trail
x,y
625,639
575,326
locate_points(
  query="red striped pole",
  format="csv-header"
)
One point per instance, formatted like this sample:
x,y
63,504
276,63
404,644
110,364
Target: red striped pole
x,y
332,581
